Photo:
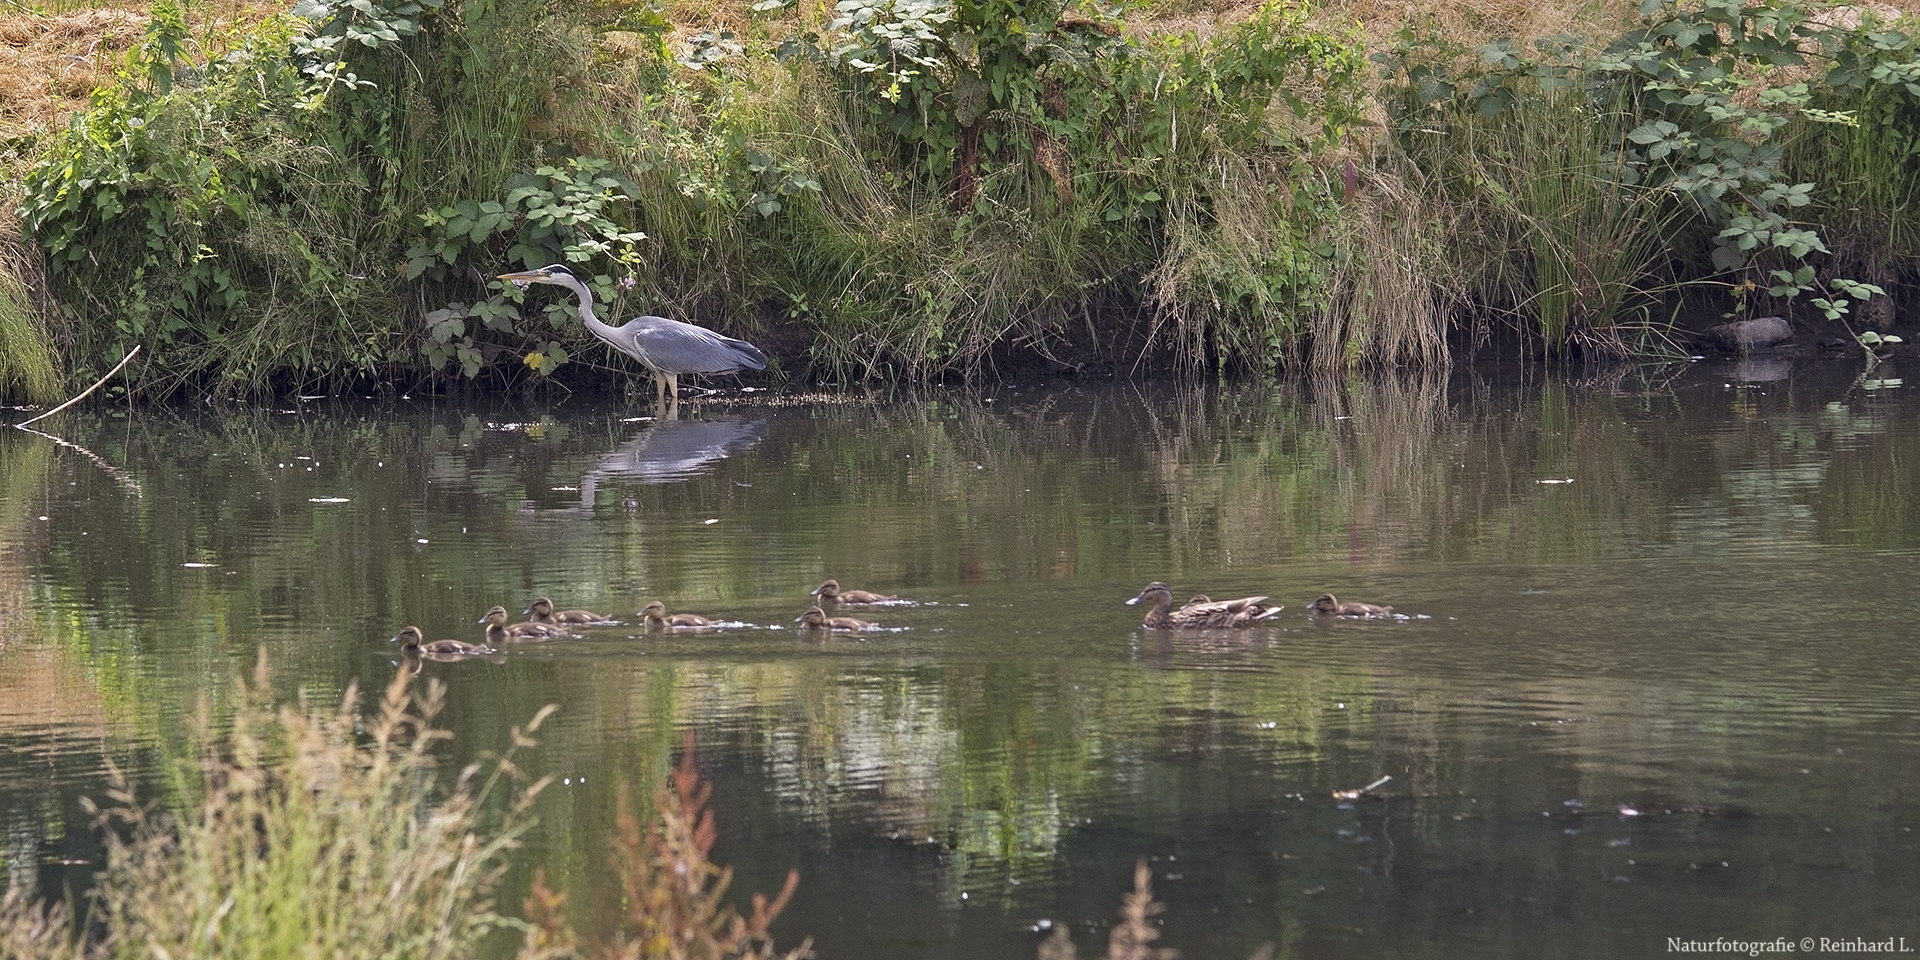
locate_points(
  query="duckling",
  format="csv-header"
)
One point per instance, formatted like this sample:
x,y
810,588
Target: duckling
x,y
499,631
1200,612
1326,605
655,617
830,594
409,639
817,619
541,611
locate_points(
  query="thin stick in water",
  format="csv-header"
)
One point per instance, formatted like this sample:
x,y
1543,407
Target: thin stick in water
x,y
83,393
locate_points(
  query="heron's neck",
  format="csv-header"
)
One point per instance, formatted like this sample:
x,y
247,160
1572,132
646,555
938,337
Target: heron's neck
x,y
585,293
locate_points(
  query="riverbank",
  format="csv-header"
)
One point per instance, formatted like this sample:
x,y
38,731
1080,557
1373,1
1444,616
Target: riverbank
x,y
270,205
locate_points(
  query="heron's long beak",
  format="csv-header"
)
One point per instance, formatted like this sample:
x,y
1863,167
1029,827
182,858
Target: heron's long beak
x,y
521,278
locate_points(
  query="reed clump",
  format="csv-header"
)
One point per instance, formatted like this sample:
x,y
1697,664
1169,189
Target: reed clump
x,y
29,364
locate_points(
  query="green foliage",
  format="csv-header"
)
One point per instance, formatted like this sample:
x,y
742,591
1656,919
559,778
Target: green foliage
x,y
1035,163
555,214
240,215
1692,109
1869,167
176,214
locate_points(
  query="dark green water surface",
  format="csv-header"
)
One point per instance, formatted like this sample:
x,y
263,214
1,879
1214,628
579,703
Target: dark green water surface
x,y
1659,676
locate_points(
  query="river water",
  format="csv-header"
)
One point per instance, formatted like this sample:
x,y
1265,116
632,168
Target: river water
x,y
1655,675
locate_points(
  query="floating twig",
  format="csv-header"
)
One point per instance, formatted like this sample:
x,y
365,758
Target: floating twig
x,y
1355,794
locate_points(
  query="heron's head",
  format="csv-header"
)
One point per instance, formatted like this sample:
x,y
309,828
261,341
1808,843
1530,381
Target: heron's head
x,y
551,273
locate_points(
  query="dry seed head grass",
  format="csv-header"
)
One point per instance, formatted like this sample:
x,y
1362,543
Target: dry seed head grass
x,y
674,895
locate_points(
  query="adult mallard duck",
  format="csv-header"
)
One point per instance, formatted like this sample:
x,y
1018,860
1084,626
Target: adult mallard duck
x,y
499,631
817,619
655,617
1200,612
830,594
1327,606
409,640
541,611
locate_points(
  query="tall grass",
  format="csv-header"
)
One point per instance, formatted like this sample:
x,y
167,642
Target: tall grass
x,y
312,837
1869,177
1398,283
1553,228
29,365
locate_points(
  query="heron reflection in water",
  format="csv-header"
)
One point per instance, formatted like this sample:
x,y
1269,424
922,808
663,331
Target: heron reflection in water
x,y
668,347
670,451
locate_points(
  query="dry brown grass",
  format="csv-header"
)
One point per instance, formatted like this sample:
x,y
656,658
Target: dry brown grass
x,y
51,63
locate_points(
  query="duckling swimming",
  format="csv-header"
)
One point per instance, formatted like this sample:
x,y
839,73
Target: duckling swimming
x,y
831,594
817,619
541,611
1200,612
409,639
1327,606
655,617
499,631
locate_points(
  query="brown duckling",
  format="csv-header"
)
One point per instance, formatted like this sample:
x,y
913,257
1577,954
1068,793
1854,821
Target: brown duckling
x,y
817,619
1327,606
499,631
655,617
1200,612
409,639
831,594
541,611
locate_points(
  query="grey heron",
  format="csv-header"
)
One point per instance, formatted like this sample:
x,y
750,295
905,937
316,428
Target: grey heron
x,y
668,347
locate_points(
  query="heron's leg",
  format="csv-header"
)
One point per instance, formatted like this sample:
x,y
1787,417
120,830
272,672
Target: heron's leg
x,y
673,384
660,389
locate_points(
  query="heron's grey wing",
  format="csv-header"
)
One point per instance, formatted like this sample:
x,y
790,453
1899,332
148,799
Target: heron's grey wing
x,y
677,347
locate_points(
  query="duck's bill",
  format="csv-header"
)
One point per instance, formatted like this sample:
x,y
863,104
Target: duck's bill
x,y
1133,601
